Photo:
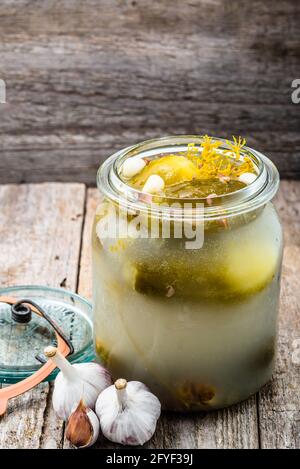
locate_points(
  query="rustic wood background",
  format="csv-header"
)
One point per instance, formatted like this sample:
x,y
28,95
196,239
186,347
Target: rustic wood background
x,y
86,78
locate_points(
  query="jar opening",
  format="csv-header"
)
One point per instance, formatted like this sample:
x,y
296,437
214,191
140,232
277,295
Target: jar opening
x,y
248,198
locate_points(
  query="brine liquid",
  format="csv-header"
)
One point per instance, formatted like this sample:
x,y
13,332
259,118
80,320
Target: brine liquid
x,y
207,342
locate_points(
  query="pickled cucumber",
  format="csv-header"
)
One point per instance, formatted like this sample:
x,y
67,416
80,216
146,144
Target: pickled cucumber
x,y
200,188
230,274
250,267
173,169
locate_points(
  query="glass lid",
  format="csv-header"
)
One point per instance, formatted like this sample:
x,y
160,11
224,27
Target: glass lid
x,y
21,342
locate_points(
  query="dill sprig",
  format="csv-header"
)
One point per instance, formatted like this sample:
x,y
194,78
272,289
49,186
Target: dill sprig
x,y
215,163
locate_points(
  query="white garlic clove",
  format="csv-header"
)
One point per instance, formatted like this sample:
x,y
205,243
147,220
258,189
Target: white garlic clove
x,y
210,197
247,178
224,179
128,412
74,382
154,184
83,427
132,166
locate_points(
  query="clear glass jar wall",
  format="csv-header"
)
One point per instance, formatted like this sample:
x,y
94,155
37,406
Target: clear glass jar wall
x,y
198,326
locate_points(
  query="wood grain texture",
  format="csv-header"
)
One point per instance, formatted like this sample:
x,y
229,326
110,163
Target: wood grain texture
x,y
85,272
279,402
232,428
40,232
84,80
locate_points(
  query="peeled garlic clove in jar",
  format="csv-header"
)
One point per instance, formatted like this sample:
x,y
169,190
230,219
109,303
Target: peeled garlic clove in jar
x,y
247,178
210,197
83,427
132,166
76,382
128,412
154,184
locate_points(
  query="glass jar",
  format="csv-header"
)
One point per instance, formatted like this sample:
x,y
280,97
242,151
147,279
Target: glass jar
x,y
197,324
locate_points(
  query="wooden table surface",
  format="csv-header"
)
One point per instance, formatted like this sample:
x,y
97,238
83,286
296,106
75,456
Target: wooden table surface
x,y
45,239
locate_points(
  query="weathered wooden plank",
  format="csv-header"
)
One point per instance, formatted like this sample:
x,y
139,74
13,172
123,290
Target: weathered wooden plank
x,y
40,233
232,428
85,263
43,158
108,74
235,427
85,273
279,403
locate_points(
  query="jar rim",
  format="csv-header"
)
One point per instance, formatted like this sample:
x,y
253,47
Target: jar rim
x,y
249,198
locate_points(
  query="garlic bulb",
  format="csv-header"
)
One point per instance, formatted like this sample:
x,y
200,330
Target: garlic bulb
x,y
247,178
75,382
128,412
83,427
132,166
154,184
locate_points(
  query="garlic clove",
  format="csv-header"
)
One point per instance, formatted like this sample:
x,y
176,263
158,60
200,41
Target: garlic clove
x,y
247,178
128,412
132,166
74,382
224,179
83,427
154,184
210,197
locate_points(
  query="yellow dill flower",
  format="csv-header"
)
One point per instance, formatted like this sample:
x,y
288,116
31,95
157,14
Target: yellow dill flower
x,y
192,153
213,163
209,147
236,146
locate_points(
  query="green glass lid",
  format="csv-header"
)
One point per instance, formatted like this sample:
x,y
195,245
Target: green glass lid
x,y
22,342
